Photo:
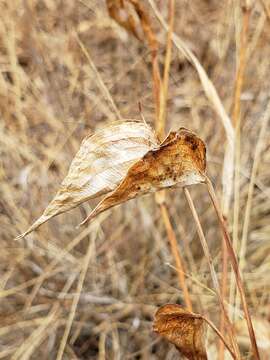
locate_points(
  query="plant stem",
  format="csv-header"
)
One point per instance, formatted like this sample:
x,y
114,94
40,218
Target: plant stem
x,y
224,291
75,301
176,255
241,46
166,73
235,267
220,335
212,269
160,87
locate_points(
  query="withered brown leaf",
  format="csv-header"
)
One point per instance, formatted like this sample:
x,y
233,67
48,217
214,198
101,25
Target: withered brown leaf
x,y
124,160
179,161
121,12
182,328
100,165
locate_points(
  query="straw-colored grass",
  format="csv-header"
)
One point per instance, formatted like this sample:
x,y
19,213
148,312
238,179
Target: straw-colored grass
x,y
90,293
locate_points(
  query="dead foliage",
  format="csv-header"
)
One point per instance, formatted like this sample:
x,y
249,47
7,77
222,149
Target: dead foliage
x,y
128,155
53,96
182,328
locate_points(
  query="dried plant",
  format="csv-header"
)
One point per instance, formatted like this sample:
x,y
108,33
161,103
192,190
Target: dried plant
x,y
126,161
178,161
69,71
125,189
186,330
120,11
182,328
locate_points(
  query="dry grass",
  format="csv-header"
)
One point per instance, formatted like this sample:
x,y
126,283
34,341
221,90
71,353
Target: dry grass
x,y
90,293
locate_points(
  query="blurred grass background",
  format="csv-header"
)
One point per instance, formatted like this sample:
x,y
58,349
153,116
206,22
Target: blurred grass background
x,y
51,98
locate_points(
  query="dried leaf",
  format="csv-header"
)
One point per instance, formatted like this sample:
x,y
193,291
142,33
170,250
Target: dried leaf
x,y
179,161
126,161
119,11
99,166
182,328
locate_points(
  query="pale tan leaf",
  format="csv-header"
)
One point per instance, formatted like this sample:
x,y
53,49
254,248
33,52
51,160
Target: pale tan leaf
x,y
179,161
100,165
182,328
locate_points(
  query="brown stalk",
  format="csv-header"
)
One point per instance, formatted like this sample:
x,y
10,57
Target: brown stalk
x,y
160,91
237,124
212,271
166,74
224,293
220,335
153,46
237,117
235,267
241,68
176,255
160,94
